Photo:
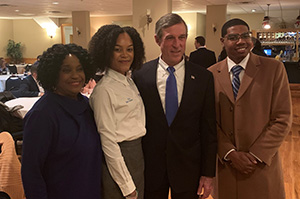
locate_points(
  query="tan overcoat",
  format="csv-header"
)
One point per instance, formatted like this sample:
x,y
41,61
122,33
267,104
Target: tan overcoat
x,y
256,122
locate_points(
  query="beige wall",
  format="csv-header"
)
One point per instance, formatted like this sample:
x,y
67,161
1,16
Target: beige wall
x,y
192,22
6,27
253,20
33,37
97,22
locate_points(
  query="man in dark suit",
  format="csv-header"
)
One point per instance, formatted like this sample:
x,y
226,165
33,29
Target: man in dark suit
x,y
202,56
29,86
180,143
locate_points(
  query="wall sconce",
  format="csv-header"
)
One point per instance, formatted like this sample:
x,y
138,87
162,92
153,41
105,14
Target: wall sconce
x,y
78,31
51,32
266,21
149,19
214,28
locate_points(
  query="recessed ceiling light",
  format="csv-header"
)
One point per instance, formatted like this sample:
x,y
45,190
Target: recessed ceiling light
x,y
253,10
17,10
55,3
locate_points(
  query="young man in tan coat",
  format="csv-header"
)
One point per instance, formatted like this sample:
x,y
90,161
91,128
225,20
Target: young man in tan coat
x,y
254,114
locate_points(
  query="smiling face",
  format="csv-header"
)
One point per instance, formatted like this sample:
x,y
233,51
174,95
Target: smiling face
x,y
172,43
237,50
123,54
71,77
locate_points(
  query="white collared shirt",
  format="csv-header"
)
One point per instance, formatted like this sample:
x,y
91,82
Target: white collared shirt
x,y
120,116
243,64
163,74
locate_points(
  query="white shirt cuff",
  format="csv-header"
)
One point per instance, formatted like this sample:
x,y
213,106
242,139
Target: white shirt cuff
x,y
225,157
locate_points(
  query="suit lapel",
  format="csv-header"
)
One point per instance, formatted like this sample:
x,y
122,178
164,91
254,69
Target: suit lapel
x,y
224,80
250,72
188,86
151,79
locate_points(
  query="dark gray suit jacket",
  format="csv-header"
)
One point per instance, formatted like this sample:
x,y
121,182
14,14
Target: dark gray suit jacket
x,y
187,149
203,57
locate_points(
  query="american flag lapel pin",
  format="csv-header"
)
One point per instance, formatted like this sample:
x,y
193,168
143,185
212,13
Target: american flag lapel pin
x,y
192,76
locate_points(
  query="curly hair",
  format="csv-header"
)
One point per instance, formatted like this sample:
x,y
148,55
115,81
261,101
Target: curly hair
x,y
52,59
102,44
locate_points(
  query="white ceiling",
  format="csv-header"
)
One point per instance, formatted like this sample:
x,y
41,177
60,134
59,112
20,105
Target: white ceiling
x,y
37,8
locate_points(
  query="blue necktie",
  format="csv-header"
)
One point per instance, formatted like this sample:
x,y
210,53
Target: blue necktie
x,y
236,79
171,96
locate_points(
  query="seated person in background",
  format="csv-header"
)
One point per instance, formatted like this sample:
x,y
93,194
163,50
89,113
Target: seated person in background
x,y
88,88
3,68
29,86
10,168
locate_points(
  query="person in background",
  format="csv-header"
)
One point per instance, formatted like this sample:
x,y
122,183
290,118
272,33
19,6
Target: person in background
x,y
10,168
181,143
202,56
89,87
29,86
222,55
257,48
119,110
3,68
61,147
254,114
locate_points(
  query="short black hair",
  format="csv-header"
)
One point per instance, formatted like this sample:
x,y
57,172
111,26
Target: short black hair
x,y
52,59
232,22
200,40
167,21
102,45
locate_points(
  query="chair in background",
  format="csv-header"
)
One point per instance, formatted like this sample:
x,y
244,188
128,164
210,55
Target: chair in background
x,y
13,83
12,69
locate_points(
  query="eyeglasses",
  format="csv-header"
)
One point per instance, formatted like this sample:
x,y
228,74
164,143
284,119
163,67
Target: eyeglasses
x,y
236,37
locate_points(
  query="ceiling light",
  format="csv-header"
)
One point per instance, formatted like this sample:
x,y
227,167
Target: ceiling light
x,y
17,10
253,10
266,21
55,3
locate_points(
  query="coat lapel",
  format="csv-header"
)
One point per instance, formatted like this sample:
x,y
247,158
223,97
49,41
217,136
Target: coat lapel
x,y
250,72
224,80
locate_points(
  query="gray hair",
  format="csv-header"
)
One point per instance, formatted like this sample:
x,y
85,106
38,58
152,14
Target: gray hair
x,y
167,21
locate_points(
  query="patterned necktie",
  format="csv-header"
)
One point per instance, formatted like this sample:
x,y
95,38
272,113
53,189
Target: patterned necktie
x,y
236,79
171,96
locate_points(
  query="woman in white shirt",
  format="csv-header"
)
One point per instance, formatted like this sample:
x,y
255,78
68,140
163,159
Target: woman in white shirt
x,y
119,110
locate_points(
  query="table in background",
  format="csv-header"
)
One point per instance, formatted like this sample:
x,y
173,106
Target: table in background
x,y
26,102
3,79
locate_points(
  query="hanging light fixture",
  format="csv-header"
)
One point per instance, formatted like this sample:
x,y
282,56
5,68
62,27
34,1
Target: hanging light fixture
x,y
266,21
297,23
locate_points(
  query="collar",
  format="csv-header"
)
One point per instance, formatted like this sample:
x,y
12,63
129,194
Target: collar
x,y
164,65
118,76
243,63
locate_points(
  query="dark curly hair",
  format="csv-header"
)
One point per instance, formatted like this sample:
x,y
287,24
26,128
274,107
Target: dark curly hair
x,y
52,59
102,44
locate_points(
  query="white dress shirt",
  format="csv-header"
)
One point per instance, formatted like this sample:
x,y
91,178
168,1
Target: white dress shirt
x,y
243,64
120,116
163,74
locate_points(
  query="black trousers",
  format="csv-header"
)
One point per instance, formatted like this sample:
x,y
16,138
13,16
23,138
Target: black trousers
x,y
163,192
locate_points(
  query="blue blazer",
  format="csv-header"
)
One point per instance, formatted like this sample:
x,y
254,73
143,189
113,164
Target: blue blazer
x,y
187,149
